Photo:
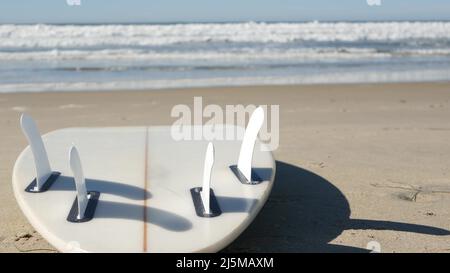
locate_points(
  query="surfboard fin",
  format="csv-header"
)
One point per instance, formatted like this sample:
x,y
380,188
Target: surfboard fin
x,y
83,208
243,170
209,162
44,174
205,202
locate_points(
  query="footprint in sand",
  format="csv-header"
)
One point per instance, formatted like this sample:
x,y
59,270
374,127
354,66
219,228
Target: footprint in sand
x,y
413,193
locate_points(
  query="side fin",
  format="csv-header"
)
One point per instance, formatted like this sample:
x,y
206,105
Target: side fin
x,y
248,144
80,182
84,206
44,175
209,162
205,201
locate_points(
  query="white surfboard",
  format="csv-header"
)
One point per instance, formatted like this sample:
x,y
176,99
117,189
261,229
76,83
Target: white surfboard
x,y
145,180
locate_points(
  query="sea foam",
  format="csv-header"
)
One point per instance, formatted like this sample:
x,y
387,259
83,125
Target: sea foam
x,y
60,57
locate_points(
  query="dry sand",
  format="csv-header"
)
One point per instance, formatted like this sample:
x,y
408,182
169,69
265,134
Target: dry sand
x,y
356,163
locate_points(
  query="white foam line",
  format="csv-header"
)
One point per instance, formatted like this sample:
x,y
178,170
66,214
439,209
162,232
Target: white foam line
x,y
69,36
330,78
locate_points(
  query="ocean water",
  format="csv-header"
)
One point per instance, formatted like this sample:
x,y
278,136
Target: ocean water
x,y
106,57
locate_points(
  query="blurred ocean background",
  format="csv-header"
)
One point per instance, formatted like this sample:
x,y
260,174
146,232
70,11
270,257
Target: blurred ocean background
x,y
111,57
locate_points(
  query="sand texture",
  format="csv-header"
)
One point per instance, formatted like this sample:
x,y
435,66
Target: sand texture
x,y
356,163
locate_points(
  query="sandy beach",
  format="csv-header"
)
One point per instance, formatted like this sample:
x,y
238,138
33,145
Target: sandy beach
x,y
356,163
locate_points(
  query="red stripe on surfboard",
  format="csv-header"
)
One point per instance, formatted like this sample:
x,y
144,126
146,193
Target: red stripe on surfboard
x,y
145,191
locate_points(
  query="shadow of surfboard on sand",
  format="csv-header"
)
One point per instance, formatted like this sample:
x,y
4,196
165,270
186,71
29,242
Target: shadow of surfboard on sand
x,y
304,213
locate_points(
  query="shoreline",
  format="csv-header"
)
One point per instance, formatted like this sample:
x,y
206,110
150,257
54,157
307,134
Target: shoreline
x,y
225,86
356,162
